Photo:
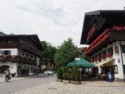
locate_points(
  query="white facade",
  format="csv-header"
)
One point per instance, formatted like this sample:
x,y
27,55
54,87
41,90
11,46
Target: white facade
x,y
14,66
14,51
117,59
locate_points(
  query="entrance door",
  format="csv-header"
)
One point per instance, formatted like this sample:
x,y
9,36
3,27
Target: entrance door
x,y
108,69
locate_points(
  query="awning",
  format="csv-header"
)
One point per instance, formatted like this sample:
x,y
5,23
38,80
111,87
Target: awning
x,y
105,62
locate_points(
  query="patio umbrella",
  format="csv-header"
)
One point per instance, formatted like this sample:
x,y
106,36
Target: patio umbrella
x,y
81,63
84,63
72,64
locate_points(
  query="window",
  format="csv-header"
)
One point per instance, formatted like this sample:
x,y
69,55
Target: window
x,y
103,55
0,52
6,52
123,48
99,57
95,58
110,50
92,59
115,67
7,41
21,53
124,68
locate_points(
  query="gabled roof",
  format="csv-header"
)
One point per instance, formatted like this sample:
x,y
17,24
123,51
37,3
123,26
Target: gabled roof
x,y
115,15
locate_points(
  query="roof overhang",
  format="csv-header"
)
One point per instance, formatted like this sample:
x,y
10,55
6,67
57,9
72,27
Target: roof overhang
x,y
90,18
104,63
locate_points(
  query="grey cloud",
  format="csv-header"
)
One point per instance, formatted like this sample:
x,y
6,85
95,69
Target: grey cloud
x,y
53,20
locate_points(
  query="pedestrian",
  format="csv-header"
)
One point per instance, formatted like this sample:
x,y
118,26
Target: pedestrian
x,y
109,77
7,75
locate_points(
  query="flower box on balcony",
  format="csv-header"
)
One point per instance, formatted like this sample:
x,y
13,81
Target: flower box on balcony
x,y
109,55
103,56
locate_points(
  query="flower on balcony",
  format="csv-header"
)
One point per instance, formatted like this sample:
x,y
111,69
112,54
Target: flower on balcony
x,y
95,59
103,56
99,40
118,28
109,55
98,58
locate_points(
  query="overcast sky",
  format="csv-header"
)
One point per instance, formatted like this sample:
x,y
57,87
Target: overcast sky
x,y
52,20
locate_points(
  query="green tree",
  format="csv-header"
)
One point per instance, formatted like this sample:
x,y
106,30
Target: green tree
x,y
66,53
48,52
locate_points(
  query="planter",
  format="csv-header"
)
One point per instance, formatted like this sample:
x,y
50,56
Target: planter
x,y
66,81
75,82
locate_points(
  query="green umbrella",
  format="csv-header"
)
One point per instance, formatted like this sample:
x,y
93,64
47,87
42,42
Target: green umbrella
x,y
81,63
84,63
71,64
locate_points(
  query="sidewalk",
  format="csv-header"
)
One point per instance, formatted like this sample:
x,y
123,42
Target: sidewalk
x,y
2,79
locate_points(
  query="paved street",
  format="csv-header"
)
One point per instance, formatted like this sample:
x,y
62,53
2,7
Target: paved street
x,y
17,84
48,85
90,87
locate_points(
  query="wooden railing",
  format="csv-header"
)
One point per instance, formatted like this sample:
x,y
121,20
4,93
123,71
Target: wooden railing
x,y
17,59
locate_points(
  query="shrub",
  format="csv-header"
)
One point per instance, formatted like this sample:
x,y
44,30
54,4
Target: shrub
x,y
74,73
66,73
59,73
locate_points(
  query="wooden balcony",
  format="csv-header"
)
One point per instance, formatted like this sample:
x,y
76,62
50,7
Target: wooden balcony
x,y
8,45
17,59
33,51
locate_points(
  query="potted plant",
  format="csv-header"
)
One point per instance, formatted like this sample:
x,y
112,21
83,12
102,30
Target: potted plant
x,y
75,75
59,74
66,74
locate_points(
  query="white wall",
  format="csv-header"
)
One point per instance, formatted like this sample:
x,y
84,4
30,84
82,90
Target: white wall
x,y
38,61
123,54
118,60
13,66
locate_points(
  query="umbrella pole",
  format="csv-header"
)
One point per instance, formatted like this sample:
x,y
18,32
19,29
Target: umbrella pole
x,y
80,70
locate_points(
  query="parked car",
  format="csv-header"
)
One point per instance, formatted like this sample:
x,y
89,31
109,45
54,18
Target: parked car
x,y
48,72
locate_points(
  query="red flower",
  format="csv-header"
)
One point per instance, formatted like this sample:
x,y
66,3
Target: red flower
x,y
109,55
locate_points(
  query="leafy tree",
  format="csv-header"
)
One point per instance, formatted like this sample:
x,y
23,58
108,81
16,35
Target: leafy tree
x,y
48,52
66,53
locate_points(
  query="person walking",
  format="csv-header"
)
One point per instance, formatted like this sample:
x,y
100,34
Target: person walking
x,y
7,75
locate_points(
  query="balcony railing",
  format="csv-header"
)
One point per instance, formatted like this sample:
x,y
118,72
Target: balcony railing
x,y
17,59
109,55
34,51
105,56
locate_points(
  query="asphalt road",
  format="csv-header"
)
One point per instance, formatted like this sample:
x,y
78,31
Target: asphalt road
x,y
13,86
